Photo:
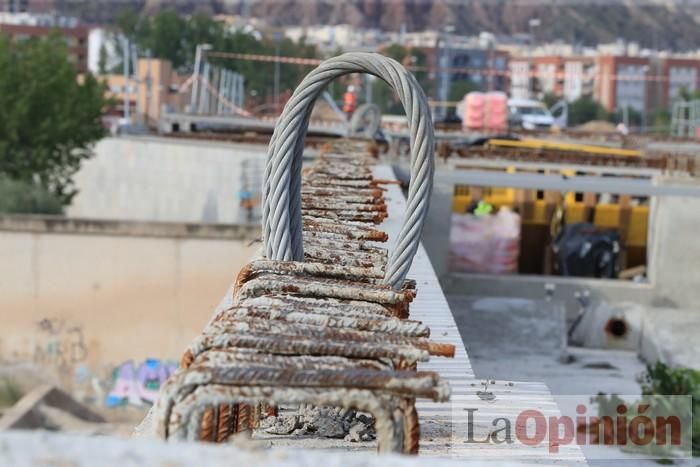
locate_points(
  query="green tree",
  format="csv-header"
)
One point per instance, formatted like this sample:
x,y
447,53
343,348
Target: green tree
x,y
687,95
661,120
173,37
49,119
102,60
25,197
584,109
661,379
412,58
396,51
459,89
549,99
634,116
167,36
128,21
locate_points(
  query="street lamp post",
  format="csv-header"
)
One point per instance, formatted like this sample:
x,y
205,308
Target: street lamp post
x,y
278,39
487,41
149,84
443,65
645,102
532,24
126,50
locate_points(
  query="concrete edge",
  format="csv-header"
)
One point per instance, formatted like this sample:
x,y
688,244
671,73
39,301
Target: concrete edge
x,y
40,448
534,278
85,226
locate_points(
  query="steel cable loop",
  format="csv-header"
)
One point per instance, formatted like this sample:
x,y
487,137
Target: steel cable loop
x,y
281,210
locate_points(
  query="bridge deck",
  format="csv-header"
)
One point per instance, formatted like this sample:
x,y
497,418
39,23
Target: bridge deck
x,y
445,426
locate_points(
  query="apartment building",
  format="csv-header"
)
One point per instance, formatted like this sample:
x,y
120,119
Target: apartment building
x,y
568,77
519,77
28,6
76,39
675,75
623,82
157,86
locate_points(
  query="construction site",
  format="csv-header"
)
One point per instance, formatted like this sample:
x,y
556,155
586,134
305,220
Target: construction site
x,y
316,281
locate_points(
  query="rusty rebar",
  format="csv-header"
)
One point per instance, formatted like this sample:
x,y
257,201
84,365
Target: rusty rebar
x,y
325,331
340,334
379,325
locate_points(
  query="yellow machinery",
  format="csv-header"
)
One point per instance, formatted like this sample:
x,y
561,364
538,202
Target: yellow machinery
x,y
538,209
495,196
541,211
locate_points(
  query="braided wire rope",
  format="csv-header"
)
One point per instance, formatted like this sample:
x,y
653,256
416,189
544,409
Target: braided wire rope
x,y
281,209
365,121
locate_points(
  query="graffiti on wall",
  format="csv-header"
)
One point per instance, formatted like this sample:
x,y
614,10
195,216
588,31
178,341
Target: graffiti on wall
x,y
138,385
59,343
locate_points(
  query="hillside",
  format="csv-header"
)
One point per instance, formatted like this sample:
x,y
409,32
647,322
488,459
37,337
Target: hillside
x,y
664,24
671,24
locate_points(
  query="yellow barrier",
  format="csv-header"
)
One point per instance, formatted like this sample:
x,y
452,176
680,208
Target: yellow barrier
x,y
497,197
559,146
609,216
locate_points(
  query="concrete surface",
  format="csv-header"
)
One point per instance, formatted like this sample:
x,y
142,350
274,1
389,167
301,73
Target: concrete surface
x,y
671,337
675,253
672,270
436,231
165,179
563,289
444,427
534,327
580,183
445,430
519,339
190,122
522,340
89,295
611,326
20,449
42,224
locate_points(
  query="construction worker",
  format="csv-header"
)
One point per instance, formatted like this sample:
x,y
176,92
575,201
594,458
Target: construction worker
x,y
622,129
349,101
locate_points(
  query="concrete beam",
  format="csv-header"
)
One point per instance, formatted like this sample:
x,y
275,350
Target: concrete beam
x,y
40,448
589,184
481,163
65,225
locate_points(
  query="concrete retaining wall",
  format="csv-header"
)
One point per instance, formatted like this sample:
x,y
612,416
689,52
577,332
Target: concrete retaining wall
x,y
93,294
167,179
672,270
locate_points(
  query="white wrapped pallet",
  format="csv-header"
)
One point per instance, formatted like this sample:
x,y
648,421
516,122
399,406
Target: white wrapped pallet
x,y
485,244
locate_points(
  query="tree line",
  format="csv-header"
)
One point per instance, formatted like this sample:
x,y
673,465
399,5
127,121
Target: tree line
x,y
49,120
171,36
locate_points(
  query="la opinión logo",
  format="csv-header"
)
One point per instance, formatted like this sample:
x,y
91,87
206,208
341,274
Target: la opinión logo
x,y
637,426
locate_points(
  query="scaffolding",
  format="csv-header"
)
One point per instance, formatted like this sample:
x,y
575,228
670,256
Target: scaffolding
x,y
685,118
215,90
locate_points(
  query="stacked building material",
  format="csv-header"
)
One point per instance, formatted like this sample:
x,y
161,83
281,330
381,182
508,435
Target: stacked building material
x,y
325,331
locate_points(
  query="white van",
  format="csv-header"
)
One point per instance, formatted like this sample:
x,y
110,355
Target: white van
x,y
529,115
